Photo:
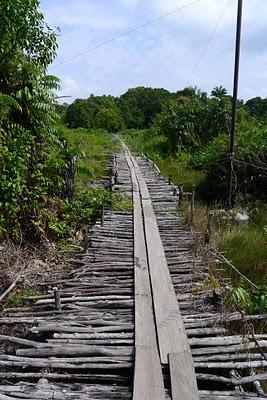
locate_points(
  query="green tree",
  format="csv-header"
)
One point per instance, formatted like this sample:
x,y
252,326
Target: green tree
x,y
29,171
219,92
176,122
94,112
192,121
257,107
140,105
192,91
77,114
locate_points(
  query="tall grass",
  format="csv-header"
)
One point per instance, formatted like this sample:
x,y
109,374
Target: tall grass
x,y
246,246
153,146
180,172
93,149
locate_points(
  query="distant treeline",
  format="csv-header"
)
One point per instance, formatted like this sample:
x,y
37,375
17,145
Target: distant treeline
x,y
138,107
190,125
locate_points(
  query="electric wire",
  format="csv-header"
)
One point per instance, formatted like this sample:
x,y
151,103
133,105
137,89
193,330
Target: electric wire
x,y
250,164
102,44
207,44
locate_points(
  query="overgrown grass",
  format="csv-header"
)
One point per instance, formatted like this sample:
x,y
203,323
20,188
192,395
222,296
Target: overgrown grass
x,y
180,172
153,146
246,246
144,141
93,149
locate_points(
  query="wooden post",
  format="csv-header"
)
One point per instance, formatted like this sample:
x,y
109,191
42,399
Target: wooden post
x,y
111,183
208,231
192,208
85,238
116,177
57,299
102,214
181,191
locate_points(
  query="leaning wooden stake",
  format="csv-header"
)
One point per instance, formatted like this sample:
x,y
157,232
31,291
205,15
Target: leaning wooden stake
x,y
208,230
181,192
116,177
57,299
11,287
102,214
192,207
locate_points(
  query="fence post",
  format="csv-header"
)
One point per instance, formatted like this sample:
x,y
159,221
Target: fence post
x,y
116,177
57,299
192,208
181,191
102,214
208,231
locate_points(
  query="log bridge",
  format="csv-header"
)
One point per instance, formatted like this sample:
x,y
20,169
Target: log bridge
x,y
133,319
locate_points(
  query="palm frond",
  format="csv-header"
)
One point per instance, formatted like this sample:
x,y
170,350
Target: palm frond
x,y
9,101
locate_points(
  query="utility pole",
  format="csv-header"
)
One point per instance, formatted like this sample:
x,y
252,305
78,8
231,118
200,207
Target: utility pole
x,y
234,105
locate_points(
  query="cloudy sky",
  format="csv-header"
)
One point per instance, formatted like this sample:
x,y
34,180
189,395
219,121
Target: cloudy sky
x,y
192,46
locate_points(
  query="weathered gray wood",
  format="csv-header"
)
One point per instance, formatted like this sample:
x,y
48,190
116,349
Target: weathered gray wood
x,y
181,372
148,377
170,328
10,288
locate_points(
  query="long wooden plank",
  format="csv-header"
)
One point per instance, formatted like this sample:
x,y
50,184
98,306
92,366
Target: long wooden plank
x,y
148,380
171,332
181,370
170,327
148,377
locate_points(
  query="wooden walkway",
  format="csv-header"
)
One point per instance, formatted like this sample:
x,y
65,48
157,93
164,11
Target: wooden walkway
x,y
120,332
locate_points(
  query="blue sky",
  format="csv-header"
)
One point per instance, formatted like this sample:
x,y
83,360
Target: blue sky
x,y
162,54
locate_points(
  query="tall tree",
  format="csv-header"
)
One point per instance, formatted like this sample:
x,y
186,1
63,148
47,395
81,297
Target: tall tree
x,y
94,112
219,92
140,105
27,114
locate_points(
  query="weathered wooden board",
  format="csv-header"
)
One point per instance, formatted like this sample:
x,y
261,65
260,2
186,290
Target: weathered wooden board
x,y
171,333
170,327
148,377
181,372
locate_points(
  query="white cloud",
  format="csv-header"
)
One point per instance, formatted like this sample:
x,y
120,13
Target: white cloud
x,y
162,54
93,16
69,87
129,3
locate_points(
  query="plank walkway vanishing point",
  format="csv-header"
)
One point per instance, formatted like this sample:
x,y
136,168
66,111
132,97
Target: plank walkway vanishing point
x,y
120,332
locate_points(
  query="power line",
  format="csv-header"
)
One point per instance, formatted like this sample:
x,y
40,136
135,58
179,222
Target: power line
x,y
207,43
125,33
250,164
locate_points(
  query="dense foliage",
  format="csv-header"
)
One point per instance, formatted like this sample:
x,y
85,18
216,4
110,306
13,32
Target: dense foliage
x,y
192,130
140,105
28,169
38,161
94,112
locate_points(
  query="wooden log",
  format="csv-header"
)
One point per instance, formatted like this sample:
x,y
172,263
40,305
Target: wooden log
x,y
23,342
10,288
70,351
